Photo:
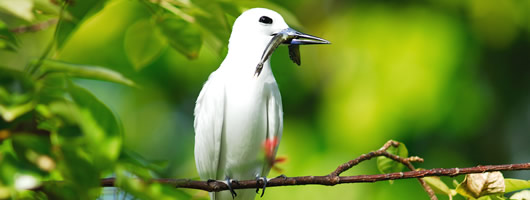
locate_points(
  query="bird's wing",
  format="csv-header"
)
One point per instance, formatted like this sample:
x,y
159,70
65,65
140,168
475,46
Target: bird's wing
x,y
209,118
275,126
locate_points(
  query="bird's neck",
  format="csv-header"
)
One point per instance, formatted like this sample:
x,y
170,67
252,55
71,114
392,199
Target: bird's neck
x,y
244,55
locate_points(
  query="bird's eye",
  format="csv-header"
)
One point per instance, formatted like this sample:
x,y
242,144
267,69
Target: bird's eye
x,y
265,20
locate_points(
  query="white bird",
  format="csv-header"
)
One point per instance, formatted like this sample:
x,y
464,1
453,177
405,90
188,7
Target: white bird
x,y
239,108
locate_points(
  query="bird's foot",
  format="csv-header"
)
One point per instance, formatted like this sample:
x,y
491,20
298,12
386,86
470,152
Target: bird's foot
x,y
229,184
264,179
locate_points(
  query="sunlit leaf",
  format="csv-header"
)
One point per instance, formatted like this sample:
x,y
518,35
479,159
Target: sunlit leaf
x,y
387,165
492,197
522,195
79,10
85,71
181,35
437,185
516,184
18,8
143,43
482,184
47,7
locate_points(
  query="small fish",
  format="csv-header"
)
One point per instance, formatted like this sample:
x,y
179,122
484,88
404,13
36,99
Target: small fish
x,y
294,39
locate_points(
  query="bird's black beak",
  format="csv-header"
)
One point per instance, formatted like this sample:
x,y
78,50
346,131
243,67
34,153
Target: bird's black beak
x,y
291,37
295,37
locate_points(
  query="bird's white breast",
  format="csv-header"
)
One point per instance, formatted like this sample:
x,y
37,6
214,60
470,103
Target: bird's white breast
x,y
245,125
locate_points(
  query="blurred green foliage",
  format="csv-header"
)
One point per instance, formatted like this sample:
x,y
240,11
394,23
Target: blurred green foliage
x,y
102,88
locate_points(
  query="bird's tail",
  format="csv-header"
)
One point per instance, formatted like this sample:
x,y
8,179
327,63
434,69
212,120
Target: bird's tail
x,y
245,194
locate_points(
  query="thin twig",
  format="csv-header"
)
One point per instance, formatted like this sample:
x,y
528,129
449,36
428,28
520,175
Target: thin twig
x,y
383,152
34,27
33,68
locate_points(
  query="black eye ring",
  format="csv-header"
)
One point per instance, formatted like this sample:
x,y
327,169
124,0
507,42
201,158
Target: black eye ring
x,y
265,20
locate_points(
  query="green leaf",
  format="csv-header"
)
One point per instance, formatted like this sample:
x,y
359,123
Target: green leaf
x,y
8,41
181,35
130,157
126,180
212,19
143,43
522,195
492,197
387,165
47,7
22,9
85,71
17,93
101,130
438,186
516,184
33,148
80,11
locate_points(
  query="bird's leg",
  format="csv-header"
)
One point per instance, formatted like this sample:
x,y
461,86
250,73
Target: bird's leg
x,y
264,179
229,184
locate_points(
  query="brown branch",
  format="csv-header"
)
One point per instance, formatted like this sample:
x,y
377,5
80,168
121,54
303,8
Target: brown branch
x,y
382,152
334,178
328,180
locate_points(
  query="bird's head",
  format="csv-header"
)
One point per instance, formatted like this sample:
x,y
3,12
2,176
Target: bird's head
x,y
257,25
260,25
259,31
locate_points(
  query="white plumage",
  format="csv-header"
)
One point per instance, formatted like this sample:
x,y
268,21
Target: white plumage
x,y
238,115
236,111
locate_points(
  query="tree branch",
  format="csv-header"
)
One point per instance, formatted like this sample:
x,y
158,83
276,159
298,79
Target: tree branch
x,y
334,177
327,180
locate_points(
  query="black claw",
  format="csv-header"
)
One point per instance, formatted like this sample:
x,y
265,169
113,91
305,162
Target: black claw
x,y
282,176
229,184
264,185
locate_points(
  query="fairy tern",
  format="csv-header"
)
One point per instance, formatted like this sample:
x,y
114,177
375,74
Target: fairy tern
x,y
238,114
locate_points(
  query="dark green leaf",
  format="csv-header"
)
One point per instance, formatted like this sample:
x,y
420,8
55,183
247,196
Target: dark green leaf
x,y
143,43
182,35
35,149
85,71
7,39
387,165
143,189
101,130
16,94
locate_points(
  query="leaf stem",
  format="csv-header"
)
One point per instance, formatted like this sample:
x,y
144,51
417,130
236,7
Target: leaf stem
x,y
34,67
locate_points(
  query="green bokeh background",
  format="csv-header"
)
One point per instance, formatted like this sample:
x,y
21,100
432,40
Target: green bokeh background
x,y
449,78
